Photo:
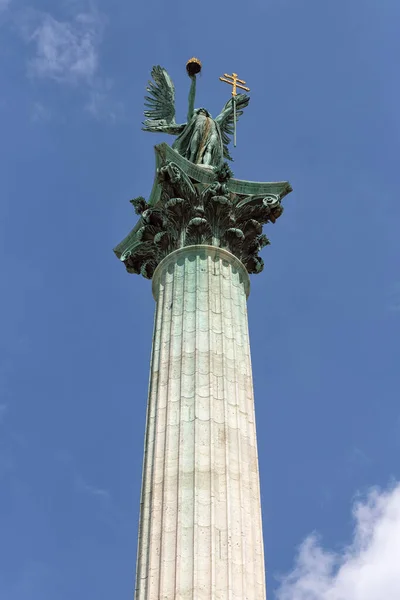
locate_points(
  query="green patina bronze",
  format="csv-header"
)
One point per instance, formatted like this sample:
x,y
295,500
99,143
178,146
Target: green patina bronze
x,y
195,199
202,139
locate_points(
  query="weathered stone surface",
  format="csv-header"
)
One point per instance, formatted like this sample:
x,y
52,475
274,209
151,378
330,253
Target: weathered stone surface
x,y
200,533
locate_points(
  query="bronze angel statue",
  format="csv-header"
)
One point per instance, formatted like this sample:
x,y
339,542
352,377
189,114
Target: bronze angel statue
x,y
202,139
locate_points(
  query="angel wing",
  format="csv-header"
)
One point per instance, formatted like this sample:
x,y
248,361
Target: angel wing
x,y
226,122
160,104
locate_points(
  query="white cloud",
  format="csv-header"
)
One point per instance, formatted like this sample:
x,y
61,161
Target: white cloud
x,y
66,51
368,569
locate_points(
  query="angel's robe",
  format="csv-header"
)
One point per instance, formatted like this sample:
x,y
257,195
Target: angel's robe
x,y
201,140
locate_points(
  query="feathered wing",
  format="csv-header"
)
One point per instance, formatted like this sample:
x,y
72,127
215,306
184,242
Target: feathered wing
x,y
160,104
226,122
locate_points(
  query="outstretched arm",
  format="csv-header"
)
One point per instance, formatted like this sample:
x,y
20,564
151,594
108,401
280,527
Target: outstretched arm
x,y
161,126
192,95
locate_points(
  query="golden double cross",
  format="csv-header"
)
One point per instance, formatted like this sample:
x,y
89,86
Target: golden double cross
x,y
235,82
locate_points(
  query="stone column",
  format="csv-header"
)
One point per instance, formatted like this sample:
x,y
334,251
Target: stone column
x,y
200,535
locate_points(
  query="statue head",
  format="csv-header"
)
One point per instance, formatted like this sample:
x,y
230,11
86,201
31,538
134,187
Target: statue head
x,y
202,111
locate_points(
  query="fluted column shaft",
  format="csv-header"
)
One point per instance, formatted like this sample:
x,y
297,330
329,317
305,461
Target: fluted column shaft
x,y
200,535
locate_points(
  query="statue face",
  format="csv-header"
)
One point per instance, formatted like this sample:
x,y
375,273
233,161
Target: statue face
x,y
203,111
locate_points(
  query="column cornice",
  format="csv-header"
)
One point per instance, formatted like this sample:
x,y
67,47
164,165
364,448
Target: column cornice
x,y
193,205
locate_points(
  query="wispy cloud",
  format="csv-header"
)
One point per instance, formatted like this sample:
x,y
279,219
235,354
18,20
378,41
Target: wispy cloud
x,y
66,51
368,569
97,492
103,504
40,113
359,459
101,104
4,4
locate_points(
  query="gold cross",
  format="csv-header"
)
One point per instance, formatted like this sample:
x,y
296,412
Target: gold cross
x,y
234,82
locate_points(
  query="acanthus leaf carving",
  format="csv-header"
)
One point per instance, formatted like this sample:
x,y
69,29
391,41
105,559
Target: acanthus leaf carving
x,y
189,212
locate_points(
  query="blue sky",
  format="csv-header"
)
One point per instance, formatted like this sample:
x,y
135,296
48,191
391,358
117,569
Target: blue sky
x,y
324,315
